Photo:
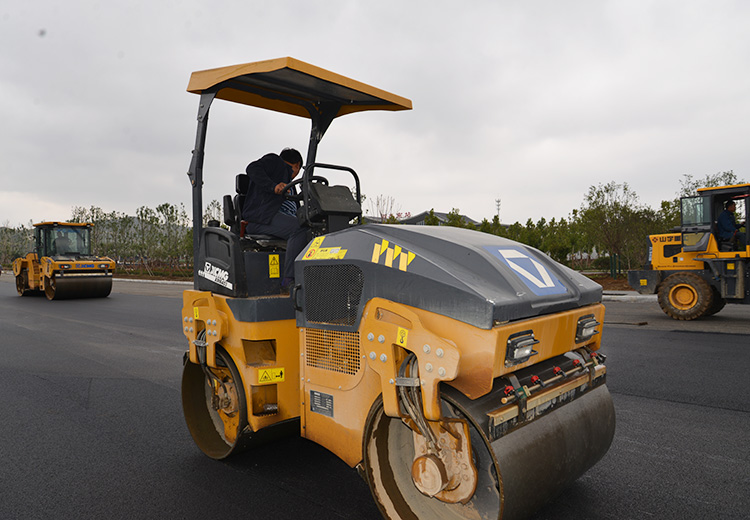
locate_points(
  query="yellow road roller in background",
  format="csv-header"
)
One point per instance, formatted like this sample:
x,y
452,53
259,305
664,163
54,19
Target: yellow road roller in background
x,y
62,266
458,371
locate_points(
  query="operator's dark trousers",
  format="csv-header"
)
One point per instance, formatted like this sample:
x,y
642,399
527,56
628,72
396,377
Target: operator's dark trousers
x,y
283,226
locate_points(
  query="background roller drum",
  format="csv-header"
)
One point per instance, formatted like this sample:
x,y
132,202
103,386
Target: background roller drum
x,y
685,296
79,287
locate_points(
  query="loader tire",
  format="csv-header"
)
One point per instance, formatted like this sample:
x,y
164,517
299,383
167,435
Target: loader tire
x,y
717,304
686,296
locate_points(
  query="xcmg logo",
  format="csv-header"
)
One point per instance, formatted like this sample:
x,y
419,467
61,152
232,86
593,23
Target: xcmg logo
x,y
216,275
529,270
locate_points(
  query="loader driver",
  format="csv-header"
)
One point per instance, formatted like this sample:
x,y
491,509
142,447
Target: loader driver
x,y
728,228
262,210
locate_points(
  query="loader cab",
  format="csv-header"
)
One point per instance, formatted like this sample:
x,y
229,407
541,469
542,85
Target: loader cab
x,y
56,239
230,262
700,213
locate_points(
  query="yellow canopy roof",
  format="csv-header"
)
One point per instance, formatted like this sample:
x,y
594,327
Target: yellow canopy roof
x,y
289,85
727,188
58,223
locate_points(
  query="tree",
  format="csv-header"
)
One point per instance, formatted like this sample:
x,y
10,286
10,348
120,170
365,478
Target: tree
x,y
455,219
15,242
615,222
383,207
689,186
431,219
214,211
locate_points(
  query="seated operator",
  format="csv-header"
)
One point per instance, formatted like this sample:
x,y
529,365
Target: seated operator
x,y
61,243
728,228
263,211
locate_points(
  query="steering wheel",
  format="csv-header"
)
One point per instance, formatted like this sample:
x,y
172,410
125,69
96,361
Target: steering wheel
x,y
297,182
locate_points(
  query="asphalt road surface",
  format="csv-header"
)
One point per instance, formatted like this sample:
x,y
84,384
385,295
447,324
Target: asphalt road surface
x,y
91,422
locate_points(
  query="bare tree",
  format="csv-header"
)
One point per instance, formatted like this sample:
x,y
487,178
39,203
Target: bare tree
x,y
384,207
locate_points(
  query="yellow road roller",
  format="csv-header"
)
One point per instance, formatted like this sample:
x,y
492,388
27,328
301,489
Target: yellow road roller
x,y
457,371
62,266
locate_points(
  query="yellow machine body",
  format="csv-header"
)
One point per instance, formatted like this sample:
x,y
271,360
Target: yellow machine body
x,y
62,265
281,365
694,272
446,365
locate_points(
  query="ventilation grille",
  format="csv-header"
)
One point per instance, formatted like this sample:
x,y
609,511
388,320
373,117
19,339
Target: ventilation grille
x,y
332,350
333,293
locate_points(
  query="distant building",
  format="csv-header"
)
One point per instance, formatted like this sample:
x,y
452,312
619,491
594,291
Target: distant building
x,y
419,219
442,219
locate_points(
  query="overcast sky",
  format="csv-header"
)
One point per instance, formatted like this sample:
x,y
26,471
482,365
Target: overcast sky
x,y
531,102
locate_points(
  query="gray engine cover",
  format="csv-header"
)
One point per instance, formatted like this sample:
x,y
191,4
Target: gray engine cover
x,y
474,277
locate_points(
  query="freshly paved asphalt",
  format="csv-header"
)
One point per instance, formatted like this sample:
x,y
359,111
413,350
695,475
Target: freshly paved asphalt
x,y
91,423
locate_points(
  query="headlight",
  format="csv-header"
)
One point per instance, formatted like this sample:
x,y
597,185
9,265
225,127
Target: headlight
x,y
64,266
586,328
520,348
103,266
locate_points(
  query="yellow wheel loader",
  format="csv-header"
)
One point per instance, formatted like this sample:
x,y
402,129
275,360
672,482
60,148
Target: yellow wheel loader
x,y
62,266
698,269
459,372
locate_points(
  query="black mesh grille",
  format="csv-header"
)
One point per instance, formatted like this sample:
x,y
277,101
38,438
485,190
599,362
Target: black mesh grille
x,y
333,293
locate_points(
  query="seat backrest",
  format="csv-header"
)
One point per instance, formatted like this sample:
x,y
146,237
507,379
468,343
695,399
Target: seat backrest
x,y
241,183
231,215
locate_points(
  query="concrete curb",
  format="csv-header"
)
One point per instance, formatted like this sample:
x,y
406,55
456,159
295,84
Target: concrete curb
x,y
163,282
627,296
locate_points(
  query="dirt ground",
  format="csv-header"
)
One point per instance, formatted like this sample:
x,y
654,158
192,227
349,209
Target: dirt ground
x,y
612,284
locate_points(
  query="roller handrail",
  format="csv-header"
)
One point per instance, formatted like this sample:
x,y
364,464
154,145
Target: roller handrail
x,y
307,177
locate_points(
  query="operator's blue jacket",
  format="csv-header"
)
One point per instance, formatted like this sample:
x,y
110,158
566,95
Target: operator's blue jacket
x,y
261,203
726,226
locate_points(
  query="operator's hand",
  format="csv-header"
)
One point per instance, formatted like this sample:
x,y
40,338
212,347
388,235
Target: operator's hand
x,y
279,188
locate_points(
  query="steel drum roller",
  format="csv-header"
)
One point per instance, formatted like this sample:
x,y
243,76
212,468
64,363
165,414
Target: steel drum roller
x,y
60,288
517,472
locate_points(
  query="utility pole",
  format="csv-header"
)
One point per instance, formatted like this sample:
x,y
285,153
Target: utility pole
x,y
497,205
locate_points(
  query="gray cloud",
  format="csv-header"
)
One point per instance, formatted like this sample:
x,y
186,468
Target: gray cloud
x,y
529,101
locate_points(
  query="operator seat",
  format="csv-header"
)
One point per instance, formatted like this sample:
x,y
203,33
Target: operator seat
x,y
233,219
62,245
723,244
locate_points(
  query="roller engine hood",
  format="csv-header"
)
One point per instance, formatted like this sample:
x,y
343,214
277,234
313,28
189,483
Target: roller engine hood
x,y
474,277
